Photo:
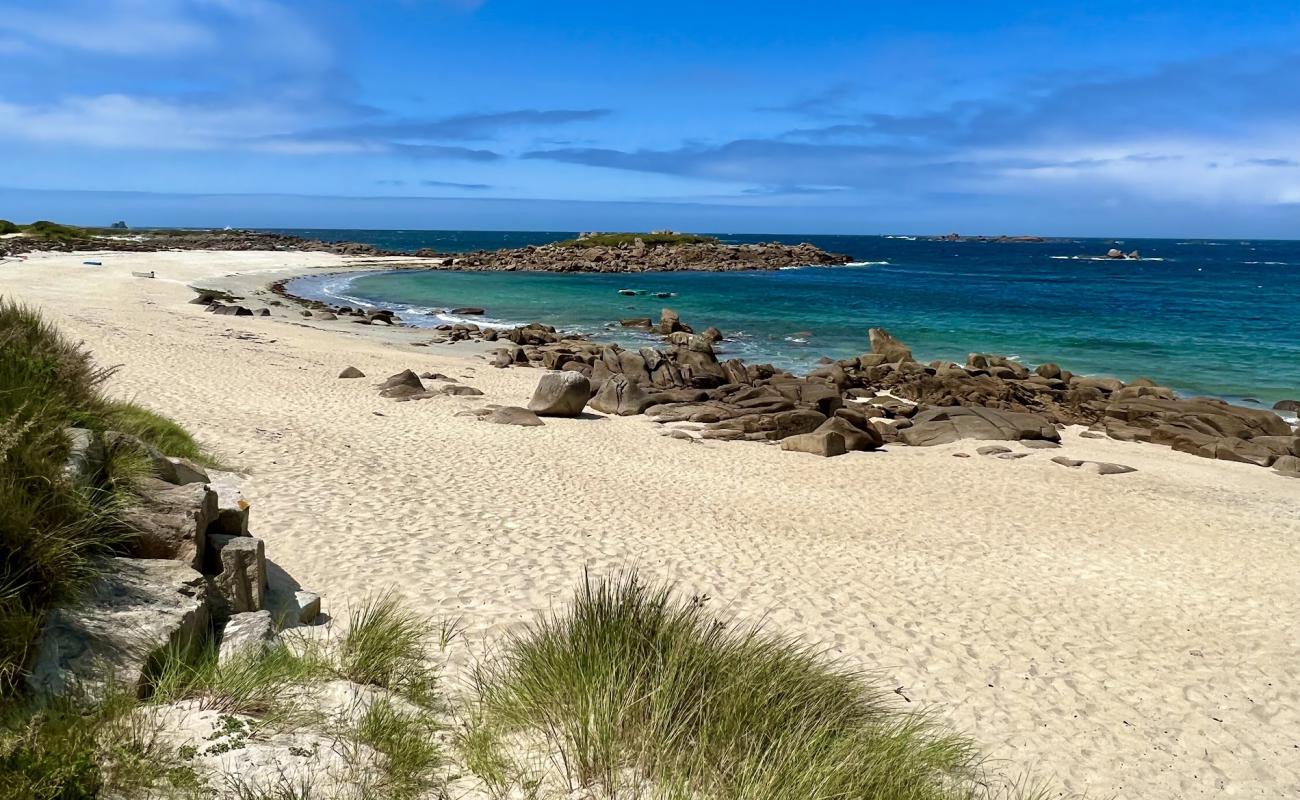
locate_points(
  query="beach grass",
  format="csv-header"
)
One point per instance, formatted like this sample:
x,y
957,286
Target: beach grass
x,y
53,528
388,646
635,692
157,430
50,529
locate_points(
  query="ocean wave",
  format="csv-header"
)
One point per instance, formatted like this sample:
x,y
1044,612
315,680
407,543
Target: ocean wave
x,y
1106,258
865,263
1271,263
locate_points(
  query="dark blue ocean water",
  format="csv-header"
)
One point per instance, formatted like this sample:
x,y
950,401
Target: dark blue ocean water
x,y
1205,317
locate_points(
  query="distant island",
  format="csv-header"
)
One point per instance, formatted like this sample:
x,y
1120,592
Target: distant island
x,y
658,251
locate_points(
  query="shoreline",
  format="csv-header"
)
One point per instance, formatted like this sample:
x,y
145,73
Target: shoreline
x,y
1091,626
280,288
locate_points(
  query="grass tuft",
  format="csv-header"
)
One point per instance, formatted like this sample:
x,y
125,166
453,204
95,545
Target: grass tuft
x,y
254,683
406,738
388,646
635,692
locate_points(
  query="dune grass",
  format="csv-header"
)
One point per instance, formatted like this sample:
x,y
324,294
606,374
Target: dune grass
x,y
49,528
52,528
636,693
388,646
66,749
152,428
406,736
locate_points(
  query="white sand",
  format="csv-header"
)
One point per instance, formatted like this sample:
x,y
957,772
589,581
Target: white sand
x,y
1130,635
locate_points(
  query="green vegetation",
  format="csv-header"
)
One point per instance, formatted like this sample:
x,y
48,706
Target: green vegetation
x,y
66,749
645,695
156,430
53,231
386,646
406,736
52,528
8,227
650,239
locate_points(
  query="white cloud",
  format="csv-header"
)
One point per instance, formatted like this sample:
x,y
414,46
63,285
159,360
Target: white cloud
x,y
119,27
127,122
1255,168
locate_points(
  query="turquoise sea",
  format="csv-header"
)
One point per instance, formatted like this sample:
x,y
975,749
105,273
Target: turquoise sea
x,y
1218,318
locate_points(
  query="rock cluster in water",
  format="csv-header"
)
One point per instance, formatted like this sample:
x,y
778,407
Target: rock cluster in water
x,y
885,396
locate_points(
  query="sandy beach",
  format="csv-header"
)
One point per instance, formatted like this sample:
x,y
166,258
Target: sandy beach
x,y
1127,635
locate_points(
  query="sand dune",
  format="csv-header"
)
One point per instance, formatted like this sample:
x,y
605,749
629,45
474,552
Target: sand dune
x,y
1133,635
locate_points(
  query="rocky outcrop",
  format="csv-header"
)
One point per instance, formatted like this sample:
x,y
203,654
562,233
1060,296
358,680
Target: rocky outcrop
x,y
622,396
191,566
889,397
711,256
706,255
943,425
136,610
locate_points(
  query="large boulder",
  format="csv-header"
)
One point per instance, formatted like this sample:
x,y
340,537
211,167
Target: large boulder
x,y
780,425
351,372
669,322
1287,405
172,521
246,635
404,378
561,394
239,564
136,611
884,344
865,437
178,471
821,443
943,425
621,396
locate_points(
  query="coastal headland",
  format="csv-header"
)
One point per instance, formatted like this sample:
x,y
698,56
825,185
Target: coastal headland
x,y
1123,634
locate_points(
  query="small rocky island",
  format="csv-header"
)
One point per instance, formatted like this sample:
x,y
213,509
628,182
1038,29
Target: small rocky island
x,y
630,252
662,251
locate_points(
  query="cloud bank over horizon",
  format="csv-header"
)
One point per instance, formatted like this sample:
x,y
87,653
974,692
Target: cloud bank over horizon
x,y
1174,119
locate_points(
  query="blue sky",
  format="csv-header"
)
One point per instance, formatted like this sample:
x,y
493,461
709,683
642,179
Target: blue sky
x,y
1097,118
